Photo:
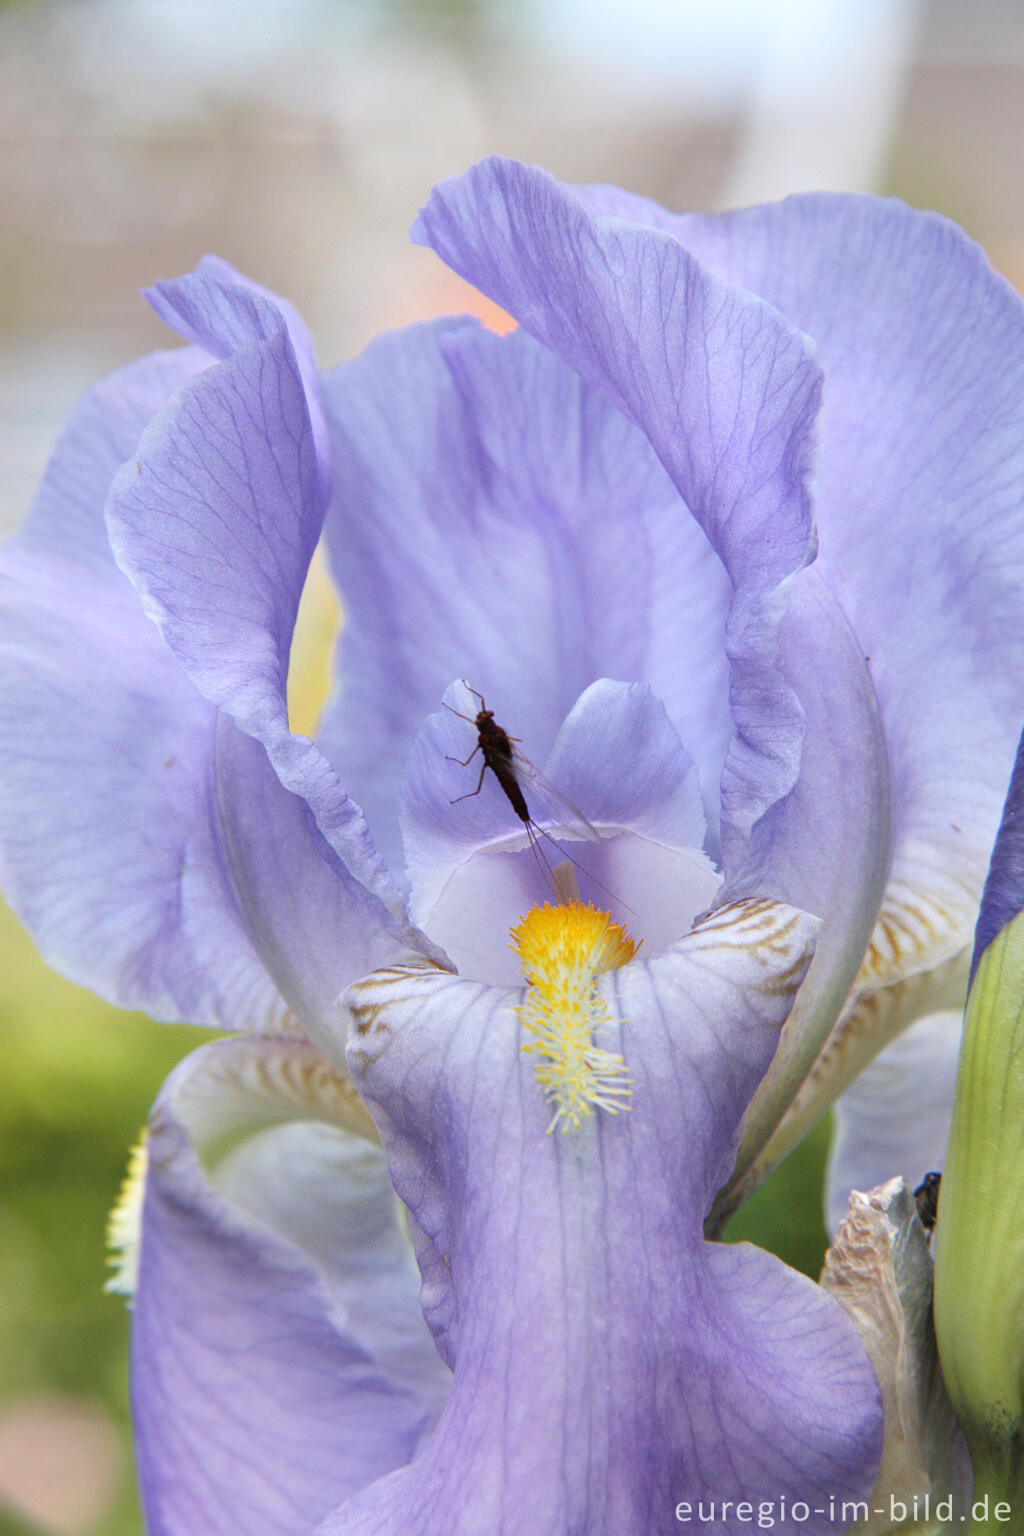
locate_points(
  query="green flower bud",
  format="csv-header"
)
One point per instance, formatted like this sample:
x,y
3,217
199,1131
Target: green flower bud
x,y
979,1269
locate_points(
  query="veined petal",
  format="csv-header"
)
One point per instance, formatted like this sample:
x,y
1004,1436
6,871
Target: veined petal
x,y
894,1121
727,393
917,501
107,825
149,862
215,520
496,519
721,386
607,1363
826,846
167,300
315,926
277,1331
725,390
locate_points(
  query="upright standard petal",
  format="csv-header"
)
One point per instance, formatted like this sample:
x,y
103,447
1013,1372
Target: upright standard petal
x,y
495,519
608,1365
215,521
280,1360
140,844
726,392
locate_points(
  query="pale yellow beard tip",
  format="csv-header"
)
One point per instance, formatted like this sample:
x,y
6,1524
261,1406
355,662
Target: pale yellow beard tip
x,y
563,949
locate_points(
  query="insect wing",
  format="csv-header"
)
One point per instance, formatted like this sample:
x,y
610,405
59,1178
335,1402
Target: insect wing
x,y
542,796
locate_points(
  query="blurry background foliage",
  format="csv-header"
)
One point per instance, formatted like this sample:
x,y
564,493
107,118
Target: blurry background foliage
x,y
297,138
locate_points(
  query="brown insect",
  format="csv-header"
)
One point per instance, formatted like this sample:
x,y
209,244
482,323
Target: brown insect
x,y
516,774
496,745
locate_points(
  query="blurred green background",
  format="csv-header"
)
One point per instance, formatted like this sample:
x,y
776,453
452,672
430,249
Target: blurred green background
x,y
77,1081
297,138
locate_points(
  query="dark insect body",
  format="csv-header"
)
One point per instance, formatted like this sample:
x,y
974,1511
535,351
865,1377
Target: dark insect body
x,y
499,755
496,745
926,1198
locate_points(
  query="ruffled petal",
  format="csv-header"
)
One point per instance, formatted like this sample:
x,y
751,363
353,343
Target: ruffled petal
x,y
495,519
215,521
722,387
316,928
218,514
894,1121
280,1359
607,1363
725,390
107,822
166,300
917,501
827,846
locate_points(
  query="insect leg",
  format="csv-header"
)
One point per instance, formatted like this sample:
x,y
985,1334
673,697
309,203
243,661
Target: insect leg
x,y
463,762
472,792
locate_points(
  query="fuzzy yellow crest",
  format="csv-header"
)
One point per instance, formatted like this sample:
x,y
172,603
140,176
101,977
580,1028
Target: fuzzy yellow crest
x,y
563,950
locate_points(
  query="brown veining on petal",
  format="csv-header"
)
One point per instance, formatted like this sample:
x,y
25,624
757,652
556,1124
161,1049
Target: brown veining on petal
x,y
394,987
916,930
755,924
243,1085
278,1019
916,963
874,1017
772,935
365,1017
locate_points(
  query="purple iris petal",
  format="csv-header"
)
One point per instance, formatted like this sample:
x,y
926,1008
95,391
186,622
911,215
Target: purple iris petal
x,y
106,816
315,926
281,1359
618,750
215,521
917,496
894,1121
517,512
1004,887
726,392
166,300
474,869
723,388
496,519
607,1363
804,789
151,862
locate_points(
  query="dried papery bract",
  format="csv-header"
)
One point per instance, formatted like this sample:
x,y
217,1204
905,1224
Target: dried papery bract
x,y
880,1271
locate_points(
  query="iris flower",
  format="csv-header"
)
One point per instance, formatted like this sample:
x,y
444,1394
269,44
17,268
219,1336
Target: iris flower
x,y
727,536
